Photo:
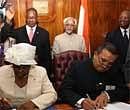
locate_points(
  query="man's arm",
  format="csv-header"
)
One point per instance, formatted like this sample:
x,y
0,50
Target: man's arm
x,y
55,48
7,29
67,92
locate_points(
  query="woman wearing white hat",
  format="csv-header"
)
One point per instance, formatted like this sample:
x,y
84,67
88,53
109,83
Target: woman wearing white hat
x,y
22,83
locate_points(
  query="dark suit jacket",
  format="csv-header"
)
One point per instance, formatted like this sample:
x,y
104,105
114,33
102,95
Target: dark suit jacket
x,y
116,38
6,31
42,43
83,79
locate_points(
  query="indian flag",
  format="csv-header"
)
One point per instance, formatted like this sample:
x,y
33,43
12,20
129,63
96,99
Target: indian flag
x,y
83,25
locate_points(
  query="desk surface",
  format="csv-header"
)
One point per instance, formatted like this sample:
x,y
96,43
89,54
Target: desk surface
x,y
63,107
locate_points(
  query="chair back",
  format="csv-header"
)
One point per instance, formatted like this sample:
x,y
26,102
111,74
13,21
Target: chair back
x,y
62,62
1,54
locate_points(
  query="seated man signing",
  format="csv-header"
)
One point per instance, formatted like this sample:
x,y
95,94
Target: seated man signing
x,y
92,83
22,83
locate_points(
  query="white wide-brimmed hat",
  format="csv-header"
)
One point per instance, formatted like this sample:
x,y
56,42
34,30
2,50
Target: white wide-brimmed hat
x,y
21,54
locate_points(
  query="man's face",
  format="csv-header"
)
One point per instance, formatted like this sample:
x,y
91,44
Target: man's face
x,y
124,20
103,61
31,18
69,27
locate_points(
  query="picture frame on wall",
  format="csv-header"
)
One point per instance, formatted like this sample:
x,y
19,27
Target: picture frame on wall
x,y
42,6
46,9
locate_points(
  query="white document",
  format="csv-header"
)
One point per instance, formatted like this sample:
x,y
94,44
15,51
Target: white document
x,y
116,106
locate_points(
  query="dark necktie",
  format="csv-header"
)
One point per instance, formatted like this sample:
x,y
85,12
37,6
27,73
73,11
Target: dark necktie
x,y
126,37
126,43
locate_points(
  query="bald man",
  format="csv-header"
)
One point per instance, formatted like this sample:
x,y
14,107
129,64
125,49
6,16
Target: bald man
x,y
117,37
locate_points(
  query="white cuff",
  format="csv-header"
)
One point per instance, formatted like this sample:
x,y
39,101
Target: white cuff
x,y
78,104
108,97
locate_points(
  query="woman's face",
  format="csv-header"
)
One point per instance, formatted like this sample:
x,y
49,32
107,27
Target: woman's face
x,y
21,70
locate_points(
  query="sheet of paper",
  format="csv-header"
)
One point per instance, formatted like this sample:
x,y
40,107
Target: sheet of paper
x,y
116,106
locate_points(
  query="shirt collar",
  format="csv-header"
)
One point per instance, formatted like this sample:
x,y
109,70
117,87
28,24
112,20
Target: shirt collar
x,y
122,30
68,34
28,27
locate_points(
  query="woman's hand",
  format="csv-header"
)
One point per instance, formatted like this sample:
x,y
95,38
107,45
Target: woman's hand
x,y
27,106
4,104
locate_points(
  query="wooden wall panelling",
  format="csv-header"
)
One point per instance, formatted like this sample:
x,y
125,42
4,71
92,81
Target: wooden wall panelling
x,y
20,13
103,15
128,3
124,4
57,26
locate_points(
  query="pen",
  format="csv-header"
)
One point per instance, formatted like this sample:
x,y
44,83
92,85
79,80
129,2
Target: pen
x,y
88,96
90,99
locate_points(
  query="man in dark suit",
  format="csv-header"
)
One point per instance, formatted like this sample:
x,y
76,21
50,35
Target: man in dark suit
x,y
92,83
118,36
37,36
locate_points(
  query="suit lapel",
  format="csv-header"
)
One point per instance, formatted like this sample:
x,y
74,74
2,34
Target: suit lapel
x,y
26,35
120,33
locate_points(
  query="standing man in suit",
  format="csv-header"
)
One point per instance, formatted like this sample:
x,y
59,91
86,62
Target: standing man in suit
x,y
120,36
33,34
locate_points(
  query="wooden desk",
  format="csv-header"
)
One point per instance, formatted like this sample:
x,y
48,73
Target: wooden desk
x,y
63,107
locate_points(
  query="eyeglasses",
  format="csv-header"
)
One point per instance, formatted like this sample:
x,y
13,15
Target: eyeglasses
x,y
21,66
69,25
104,61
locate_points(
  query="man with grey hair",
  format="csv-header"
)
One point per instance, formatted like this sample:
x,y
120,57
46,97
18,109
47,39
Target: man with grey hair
x,y
69,40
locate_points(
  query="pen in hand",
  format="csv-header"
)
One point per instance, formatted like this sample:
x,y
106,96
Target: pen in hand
x,y
89,98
